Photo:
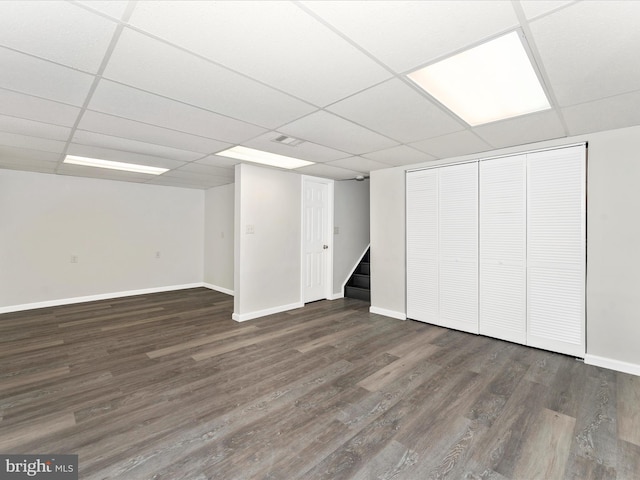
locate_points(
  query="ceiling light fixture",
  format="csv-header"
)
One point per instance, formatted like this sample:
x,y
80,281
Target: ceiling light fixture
x,y
126,167
490,82
265,158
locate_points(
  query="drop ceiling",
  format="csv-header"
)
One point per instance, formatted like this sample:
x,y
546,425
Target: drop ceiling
x,y
170,84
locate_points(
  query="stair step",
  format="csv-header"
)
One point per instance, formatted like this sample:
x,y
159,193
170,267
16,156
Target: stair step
x,y
364,268
357,292
360,280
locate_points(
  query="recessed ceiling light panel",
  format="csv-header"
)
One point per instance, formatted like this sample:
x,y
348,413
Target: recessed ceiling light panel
x,y
111,165
493,81
264,158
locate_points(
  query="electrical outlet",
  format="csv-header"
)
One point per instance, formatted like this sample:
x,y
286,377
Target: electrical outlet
x,y
250,230
158,254
336,230
221,234
74,259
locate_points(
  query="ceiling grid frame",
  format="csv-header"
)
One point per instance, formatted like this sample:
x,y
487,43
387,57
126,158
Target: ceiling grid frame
x,y
349,135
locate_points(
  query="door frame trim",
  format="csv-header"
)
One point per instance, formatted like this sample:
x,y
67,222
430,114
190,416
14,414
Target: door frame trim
x,y
329,259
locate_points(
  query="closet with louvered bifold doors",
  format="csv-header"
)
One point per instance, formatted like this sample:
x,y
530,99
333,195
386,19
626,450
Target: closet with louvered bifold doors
x,y
497,247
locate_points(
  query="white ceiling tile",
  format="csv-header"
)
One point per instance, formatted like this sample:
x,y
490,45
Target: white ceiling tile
x,y
327,171
198,178
141,61
217,161
521,130
180,183
590,50
16,154
113,8
26,165
55,30
454,144
359,164
400,155
26,74
405,35
334,132
306,151
396,110
128,102
615,112
33,108
206,170
121,156
83,137
275,42
124,128
32,128
33,143
535,8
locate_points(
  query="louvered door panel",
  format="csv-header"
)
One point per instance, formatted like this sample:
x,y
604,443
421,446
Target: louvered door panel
x,y
422,246
458,246
556,238
503,248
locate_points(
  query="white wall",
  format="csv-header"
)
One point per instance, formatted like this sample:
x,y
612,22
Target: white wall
x,y
613,240
351,218
218,238
267,268
114,229
388,291
613,248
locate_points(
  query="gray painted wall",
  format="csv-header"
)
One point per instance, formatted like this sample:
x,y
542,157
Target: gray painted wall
x,y
388,290
218,237
114,229
351,218
267,269
613,243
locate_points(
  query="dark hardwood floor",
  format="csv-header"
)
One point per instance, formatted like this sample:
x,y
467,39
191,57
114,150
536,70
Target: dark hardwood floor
x,y
167,386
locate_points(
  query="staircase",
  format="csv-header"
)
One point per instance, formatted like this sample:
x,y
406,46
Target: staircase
x,y
359,285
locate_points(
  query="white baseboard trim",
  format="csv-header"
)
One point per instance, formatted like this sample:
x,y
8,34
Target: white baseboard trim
x,y
336,296
612,364
388,313
92,298
263,313
211,286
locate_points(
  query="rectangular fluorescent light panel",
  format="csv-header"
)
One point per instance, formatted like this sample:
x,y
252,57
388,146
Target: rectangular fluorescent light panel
x,y
490,82
264,158
127,167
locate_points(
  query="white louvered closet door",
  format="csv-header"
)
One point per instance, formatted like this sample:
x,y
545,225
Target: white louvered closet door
x,y
503,287
556,238
458,246
422,245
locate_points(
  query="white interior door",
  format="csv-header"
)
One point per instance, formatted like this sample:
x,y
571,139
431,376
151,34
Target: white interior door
x,y
458,246
503,284
316,236
556,250
422,246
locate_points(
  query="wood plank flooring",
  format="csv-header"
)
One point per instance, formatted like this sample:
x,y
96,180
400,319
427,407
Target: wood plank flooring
x,y
167,386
